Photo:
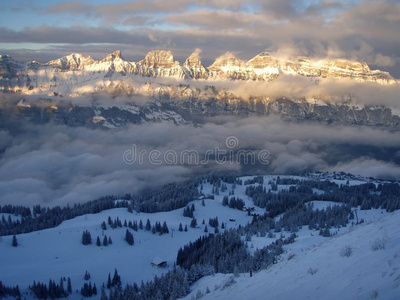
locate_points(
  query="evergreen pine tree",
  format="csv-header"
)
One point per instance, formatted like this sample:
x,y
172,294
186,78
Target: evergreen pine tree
x,y
225,201
148,225
109,240
158,227
87,275
14,241
129,237
165,228
193,223
103,225
86,238
69,286
180,227
61,289
109,281
103,295
135,226
105,241
116,279
98,243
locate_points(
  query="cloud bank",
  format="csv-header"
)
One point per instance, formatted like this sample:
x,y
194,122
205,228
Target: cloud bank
x,y
56,165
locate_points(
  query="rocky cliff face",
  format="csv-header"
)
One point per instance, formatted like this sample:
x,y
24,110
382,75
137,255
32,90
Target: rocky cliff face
x,y
158,59
10,73
195,67
339,68
74,71
71,62
196,111
161,63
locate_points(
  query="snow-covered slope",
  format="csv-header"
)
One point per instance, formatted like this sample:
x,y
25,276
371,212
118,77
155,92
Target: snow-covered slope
x,y
321,272
312,267
56,252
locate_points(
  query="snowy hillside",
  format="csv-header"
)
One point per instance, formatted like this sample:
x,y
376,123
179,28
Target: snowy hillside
x,y
321,271
310,267
56,252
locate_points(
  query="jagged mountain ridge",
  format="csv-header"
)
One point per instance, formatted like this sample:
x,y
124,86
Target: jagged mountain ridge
x,y
65,73
181,102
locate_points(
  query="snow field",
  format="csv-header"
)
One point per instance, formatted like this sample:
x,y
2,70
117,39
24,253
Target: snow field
x,y
320,272
56,252
309,268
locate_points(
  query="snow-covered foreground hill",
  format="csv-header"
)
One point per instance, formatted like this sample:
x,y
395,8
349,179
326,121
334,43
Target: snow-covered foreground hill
x,y
56,252
321,271
313,267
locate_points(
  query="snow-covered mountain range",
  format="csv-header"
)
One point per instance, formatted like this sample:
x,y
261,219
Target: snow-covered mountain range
x,y
159,88
71,74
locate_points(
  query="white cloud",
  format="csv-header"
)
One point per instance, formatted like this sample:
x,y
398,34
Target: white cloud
x,y
384,61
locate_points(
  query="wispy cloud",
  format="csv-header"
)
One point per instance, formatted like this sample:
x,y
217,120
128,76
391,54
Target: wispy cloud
x,y
362,30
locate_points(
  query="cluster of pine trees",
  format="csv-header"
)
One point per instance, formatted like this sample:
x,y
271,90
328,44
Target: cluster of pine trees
x,y
106,241
129,237
17,210
172,285
86,238
305,215
53,290
44,218
115,281
254,180
233,202
169,197
188,211
368,195
6,291
226,253
88,290
213,222
181,227
134,225
112,223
